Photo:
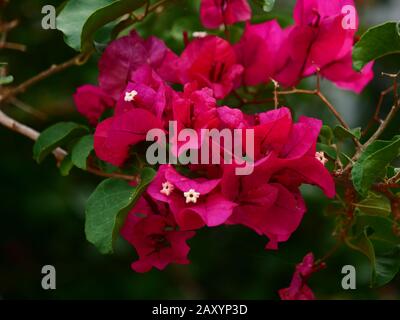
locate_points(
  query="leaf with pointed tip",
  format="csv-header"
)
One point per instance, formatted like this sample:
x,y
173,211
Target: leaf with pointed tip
x,y
56,136
82,20
376,43
81,151
108,206
373,163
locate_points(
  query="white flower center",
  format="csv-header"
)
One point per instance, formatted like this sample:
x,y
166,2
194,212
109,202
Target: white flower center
x,y
199,34
191,196
130,96
167,188
320,156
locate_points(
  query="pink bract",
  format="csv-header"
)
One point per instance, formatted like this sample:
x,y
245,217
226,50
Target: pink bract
x,y
214,13
212,63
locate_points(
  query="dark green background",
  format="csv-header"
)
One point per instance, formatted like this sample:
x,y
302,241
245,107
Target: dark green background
x,y
42,213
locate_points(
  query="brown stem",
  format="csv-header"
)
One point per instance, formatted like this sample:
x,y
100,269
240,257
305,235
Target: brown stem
x,y
395,179
7,26
28,109
13,46
319,94
376,118
28,132
130,21
116,175
77,60
59,153
276,96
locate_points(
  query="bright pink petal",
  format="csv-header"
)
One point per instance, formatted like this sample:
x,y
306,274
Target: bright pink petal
x,y
344,76
261,52
202,185
214,13
211,62
302,138
124,55
114,136
91,102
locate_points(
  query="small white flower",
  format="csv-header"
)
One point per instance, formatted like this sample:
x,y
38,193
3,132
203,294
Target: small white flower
x,y
130,96
320,156
191,196
167,188
199,34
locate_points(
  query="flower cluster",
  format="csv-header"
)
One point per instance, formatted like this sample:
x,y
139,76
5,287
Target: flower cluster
x,y
135,87
298,289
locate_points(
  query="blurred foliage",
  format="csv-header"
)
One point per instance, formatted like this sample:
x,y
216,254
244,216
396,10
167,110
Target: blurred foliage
x,y
42,213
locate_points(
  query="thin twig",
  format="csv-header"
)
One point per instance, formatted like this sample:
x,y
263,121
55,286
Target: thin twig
x,y
395,179
319,94
59,153
116,175
13,46
384,124
7,26
28,132
276,97
77,60
133,18
378,108
375,136
28,109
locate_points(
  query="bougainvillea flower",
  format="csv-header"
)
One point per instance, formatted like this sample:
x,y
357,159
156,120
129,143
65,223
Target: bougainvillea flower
x,y
92,101
344,76
261,52
195,108
125,55
155,238
269,201
214,13
272,132
318,41
293,161
267,207
298,289
232,118
194,202
114,136
146,90
212,62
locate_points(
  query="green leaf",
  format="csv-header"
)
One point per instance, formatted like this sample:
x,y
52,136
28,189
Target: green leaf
x,y
103,17
107,208
373,162
341,133
66,166
55,136
387,266
266,5
326,135
81,19
374,204
73,17
329,150
373,236
363,244
81,151
6,80
375,43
